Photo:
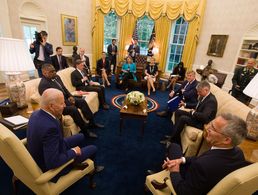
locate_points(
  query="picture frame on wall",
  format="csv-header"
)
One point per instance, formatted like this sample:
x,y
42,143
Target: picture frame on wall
x,y
69,30
217,45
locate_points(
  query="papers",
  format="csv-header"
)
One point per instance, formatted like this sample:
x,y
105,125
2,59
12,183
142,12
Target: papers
x,y
17,120
173,104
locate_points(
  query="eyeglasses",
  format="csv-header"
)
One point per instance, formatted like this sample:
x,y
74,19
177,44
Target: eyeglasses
x,y
210,127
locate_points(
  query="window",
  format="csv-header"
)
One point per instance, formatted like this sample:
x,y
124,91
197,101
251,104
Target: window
x,y
111,26
144,26
176,43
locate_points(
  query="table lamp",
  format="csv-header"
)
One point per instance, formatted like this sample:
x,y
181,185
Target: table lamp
x,y
252,117
14,58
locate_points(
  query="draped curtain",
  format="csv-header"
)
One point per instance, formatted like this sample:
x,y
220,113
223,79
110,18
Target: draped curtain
x,y
163,12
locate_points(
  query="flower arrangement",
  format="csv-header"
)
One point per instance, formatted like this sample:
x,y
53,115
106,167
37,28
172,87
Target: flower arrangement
x,y
135,97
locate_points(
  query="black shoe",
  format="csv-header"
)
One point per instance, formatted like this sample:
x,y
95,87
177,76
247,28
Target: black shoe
x,y
92,135
99,169
105,106
150,172
162,113
96,125
159,186
168,137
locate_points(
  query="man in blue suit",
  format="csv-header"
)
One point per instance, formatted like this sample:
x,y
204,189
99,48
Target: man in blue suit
x,y
45,138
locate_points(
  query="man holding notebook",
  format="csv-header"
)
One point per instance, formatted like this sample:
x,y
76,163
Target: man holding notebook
x,y
185,95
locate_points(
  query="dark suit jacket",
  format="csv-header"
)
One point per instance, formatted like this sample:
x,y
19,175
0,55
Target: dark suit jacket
x,y
135,48
46,143
109,50
206,110
100,65
180,72
76,78
190,94
48,83
204,172
242,77
48,50
56,64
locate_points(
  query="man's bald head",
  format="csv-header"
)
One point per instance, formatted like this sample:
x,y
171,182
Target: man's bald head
x,y
52,100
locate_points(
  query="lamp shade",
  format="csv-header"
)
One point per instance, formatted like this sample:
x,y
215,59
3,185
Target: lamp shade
x,y
252,88
14,55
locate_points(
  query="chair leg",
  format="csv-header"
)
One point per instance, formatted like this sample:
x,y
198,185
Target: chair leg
x,y
14,182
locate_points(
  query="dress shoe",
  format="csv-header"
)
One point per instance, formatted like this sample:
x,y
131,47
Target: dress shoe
x,y
96,125
168,137
105,106
150,172
99,169
159,186
162,113
92,135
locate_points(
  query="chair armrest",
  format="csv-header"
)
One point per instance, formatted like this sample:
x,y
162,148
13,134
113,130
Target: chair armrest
x,y
170,186
47,176
24,141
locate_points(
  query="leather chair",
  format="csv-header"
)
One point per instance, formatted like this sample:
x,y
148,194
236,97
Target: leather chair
x,y
239,182
15,154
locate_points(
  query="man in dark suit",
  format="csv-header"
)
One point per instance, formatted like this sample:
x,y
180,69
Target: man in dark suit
x,y
86,61
81,82
58,60
42,50
48,147
103,69
134,50
187,92
198,175
112,52
240,80
204,112
51,80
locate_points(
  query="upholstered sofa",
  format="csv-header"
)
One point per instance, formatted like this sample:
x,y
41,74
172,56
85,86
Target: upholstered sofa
x,y
191,138
32,96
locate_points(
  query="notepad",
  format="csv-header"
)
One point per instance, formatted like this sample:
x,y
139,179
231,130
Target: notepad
x,y
17,120
173,104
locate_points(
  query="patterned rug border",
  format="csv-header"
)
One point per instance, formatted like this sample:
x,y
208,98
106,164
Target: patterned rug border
x,y
116,104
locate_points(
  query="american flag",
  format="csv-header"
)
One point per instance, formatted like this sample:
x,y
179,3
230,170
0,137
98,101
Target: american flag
x,y
135,34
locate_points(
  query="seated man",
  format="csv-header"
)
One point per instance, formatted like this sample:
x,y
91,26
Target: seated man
x,y
45,137
204,112
187,92
240,80
198,175
81,82
51,80
58,60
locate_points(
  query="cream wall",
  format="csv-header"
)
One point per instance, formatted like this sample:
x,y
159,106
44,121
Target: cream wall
x,y
228,17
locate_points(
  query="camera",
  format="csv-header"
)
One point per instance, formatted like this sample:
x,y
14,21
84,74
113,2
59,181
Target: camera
x,y
38,37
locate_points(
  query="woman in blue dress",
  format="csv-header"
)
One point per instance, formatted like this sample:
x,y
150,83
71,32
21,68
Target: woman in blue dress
x,y
128,72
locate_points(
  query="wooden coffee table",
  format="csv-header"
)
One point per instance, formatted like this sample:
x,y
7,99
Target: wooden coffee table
x,y
131,111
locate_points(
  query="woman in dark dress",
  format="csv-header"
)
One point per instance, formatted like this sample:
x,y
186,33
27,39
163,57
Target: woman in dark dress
x,y
178,74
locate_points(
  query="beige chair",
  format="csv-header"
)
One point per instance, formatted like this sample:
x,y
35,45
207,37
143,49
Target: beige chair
x,y
15,154
239,182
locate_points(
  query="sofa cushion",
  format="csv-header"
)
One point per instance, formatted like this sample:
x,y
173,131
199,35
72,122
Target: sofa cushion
x,y
65,76
35,98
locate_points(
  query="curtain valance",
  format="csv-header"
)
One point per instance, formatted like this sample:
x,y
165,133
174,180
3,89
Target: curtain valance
x,y
154,8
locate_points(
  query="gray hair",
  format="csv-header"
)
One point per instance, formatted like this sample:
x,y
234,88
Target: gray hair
x,y
235,128
203,84
46,66
49,96
190,72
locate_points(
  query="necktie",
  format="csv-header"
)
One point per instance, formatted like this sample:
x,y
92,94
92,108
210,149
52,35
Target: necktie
x,y
60,62
59,86
186,85
199,102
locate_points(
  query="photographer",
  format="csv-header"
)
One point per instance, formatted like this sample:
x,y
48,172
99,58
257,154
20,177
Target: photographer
x,y
42,50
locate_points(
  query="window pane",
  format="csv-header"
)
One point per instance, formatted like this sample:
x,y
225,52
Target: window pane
x,y
177,41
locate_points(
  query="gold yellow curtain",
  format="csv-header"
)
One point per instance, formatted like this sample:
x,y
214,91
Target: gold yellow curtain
x,y
126,30
97,37
191,10
162,29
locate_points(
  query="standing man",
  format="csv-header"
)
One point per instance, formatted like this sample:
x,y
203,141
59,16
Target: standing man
x,y
42,51
112,52
134,50
81,82
240,80
58,60
48,147
198,175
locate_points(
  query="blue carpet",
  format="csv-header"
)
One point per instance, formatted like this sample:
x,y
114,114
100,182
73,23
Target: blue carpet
x,y
126,157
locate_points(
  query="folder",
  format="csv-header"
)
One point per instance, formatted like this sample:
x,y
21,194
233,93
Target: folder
x,y
173,104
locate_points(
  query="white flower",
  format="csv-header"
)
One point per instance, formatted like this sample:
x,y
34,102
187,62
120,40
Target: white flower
x,y
135,97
